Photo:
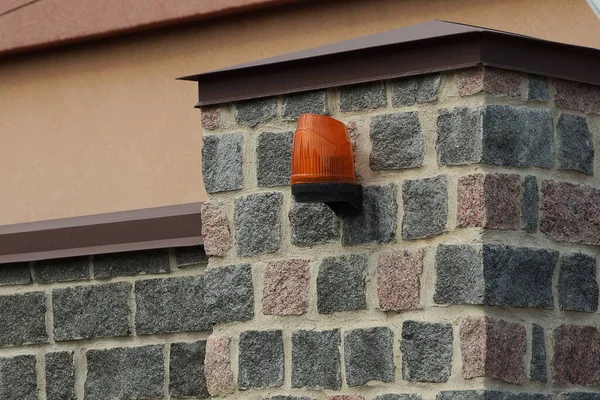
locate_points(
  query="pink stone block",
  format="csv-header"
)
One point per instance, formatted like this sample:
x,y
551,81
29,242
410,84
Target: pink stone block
x,y
471,201
577,96
398,280
344,397
215,229
576,355
490,80
210,117
286,287
217,367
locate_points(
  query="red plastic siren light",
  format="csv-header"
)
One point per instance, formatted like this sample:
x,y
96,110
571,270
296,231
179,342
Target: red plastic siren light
x,y
323,165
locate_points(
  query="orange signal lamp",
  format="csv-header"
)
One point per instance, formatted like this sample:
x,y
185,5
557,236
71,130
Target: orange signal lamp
x,y
323,165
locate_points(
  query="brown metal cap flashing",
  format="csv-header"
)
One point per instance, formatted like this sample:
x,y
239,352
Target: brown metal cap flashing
x,y
424,48
160,227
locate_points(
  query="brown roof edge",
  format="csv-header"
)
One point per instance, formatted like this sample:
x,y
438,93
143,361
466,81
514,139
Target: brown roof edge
x,y
433,46
151,228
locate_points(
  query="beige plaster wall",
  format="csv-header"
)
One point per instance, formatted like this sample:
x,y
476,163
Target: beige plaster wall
x,y
104,126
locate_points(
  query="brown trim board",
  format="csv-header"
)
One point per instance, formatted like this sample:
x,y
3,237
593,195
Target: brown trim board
x,y
160,227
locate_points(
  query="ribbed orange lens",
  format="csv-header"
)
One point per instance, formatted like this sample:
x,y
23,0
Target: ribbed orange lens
x,y
322,151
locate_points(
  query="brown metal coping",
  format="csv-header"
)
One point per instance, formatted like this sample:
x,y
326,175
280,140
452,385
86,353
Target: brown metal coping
x,y
150,228
433,46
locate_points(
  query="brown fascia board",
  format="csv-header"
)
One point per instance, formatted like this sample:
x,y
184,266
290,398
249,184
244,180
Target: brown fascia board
x,y
151,228
434,46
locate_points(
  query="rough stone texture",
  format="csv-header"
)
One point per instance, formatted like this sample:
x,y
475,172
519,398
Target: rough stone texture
x,y
274,156
537,88
538,370
396,141
575,144
459,275
15,274
228,294
125,373
62,270
170,305
518,276
217,367
344,397
341,284
260,360
23,319
498,395
288,398
426,351
210,117
286,287
459,134
415,90
85,312
296,104
398,280
460,395
576,355
502,201
316,359
530,205
493,348
577,285
377,224
192,255
579,396
577,96
471,201
490,80
257,220
518,137
222,159
570,212
186,370
60,376
313,224
369,355
364,96
404,396
131,263
18,378
425,207
256,111
215,229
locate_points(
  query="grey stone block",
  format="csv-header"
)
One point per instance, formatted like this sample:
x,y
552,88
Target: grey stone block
x,y
364,96
459,275
296,104
426,351
404,396
518,276
577,285
170,305
60,376
256,111
23,319
576,144
499,395
425,207
125,373
538,371
579,396
518,137
312,224
131,263
186,370
316,359
396,141
341,284
415,90
530,205
15,274
85,312
257,220
460,395
274,155
62,270
369,355
192,255
537,88
222,159
459,135
260,360
18,379
228,294
377,224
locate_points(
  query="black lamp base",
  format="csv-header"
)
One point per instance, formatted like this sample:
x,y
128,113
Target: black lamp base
x,y
344,199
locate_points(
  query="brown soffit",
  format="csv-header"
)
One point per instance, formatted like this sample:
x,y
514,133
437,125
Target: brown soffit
x,y
433,46
151,228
